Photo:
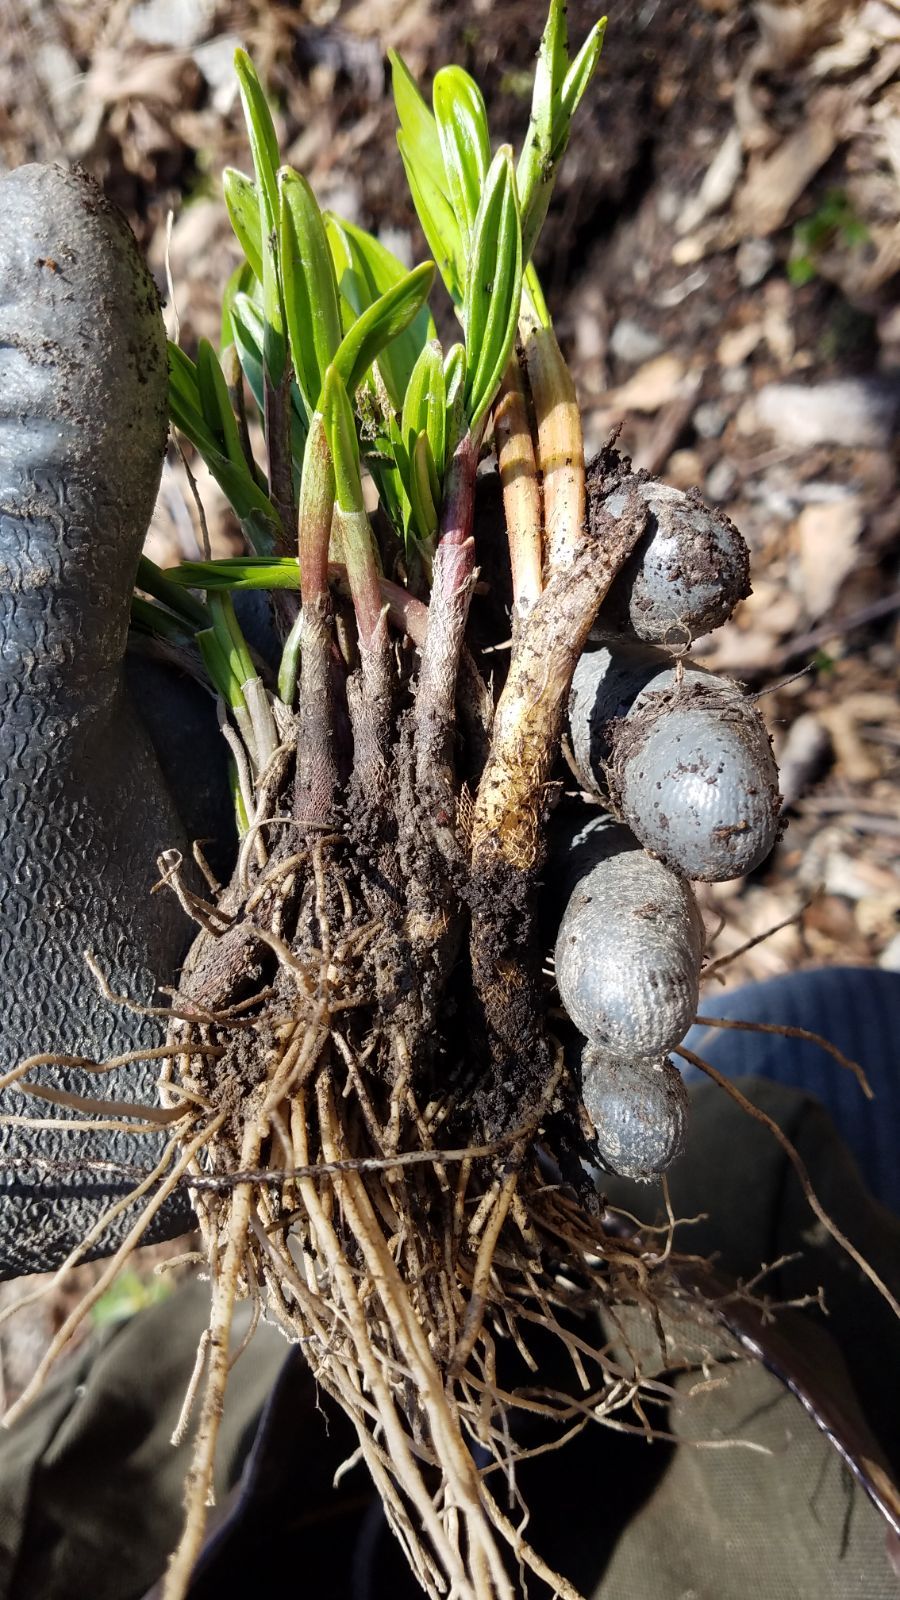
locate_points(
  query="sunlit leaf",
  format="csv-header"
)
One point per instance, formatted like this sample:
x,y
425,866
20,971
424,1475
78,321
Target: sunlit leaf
x,y
424,490
241,280
455,384
274,342
494,287
340,428
417,123
381,323
186,412
425,405
242,202
310,290
461,118
438,220
580,74
238,572
261,133
558,88
247,330
216,403
365,270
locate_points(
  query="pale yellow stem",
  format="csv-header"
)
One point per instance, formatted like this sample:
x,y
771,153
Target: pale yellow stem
x,y
521,490
560,441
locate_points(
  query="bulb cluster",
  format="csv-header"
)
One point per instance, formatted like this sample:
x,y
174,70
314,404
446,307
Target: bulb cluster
x,y
681,762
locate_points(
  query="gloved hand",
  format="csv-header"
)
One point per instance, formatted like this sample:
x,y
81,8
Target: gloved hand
x,y
85,808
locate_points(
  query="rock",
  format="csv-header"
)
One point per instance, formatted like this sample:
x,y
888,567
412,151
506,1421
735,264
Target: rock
x,y
631,343
721,481
753,259
710,419
858,413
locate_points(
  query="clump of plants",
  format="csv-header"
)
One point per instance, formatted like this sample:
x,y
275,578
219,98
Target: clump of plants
x,y
389,1133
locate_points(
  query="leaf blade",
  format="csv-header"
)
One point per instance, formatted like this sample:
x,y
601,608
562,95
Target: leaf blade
x,y
494,289
378,326
311,305
462,125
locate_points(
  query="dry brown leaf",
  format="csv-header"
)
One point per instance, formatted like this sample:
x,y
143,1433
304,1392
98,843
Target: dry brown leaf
x,y
828,536
853,758
718,183
654,384
775,182
739,343
158,76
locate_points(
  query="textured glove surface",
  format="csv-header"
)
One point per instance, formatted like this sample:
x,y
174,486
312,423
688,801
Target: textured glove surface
x,y
84,810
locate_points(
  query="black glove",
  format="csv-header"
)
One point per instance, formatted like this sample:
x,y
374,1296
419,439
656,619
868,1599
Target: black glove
x,y
85,808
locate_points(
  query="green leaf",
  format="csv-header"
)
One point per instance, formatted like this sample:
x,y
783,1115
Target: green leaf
x,y
242,203
218,667
231,640
215,402
160,585
340,429
148,617
128,1293
534,296
263,139
417,124
398,477
239,282
425,406
310,289
439,223
494,287
381,323
558,89
580,74
455,381
366,270
274,343
264,149
186,412
238,572
462,124
290,662
549,76
424,490
248,330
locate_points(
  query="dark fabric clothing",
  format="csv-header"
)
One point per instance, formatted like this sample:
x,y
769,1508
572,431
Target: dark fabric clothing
x,y
855,1008
90,1486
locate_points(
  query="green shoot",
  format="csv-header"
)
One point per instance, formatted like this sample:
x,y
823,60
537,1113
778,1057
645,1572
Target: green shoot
x,y
366,270
391,314
161,586
310,290
290,662
462,125
242,202
558,89
493,287
350,511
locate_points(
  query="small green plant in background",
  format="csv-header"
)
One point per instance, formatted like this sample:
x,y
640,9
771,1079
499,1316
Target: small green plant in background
x,y
128,1294
833,223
